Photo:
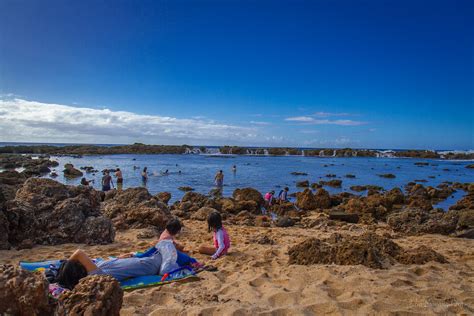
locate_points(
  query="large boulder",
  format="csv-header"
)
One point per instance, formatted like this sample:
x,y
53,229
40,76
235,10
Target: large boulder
x,y
23,292
99,295
136,208
47,212
306,200
248,194
202,213
368,249
414,221
248,199
71,172
164,197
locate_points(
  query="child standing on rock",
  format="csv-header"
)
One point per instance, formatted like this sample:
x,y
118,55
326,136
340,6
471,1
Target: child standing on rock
x,y
220,237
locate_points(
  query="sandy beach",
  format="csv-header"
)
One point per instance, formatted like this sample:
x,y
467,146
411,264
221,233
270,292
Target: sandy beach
x,y
256,279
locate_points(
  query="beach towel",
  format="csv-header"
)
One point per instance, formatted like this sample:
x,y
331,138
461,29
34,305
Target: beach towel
x,y
181,274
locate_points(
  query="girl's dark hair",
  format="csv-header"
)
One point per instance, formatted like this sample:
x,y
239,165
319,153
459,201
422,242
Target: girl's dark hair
x,y
173,226
144,169
214,221
69,274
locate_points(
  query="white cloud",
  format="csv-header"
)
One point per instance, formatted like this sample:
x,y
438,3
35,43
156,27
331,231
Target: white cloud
x,y
22,120
300,119
328,114
259,123
311,120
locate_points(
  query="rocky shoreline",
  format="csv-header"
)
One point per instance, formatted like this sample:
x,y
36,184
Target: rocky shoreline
x,y
36,211
138,148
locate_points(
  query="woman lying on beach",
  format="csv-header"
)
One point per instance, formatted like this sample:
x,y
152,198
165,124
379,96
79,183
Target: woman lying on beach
x,y
158,260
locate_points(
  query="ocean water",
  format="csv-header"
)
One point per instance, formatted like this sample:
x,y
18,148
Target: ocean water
x,y
266,173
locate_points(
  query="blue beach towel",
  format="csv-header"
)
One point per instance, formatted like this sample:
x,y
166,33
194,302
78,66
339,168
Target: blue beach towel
x,y
181,274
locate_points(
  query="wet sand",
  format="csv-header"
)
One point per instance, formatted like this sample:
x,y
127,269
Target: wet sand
x,y
255,279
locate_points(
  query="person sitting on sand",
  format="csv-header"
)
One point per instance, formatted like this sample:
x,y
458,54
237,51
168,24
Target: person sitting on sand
x,y
173,228
219,179
119,176
283,195
269,199
220,237
107,182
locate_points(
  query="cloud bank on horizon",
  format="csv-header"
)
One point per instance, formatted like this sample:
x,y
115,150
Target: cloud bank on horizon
x,y
23,120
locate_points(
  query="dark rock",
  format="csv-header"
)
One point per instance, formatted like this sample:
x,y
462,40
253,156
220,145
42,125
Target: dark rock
x,y
136,208
48,212
306,200
71,172
284,222
302,184
387,175
368,249
350,176
203,213
94,295
186,189
23,292
295,173
344,217
332,183
248,194
164,197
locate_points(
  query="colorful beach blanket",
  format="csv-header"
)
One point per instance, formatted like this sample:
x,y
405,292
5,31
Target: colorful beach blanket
x,y
180,275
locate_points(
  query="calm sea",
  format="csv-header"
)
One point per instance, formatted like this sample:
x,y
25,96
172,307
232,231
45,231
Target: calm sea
x,y
266,173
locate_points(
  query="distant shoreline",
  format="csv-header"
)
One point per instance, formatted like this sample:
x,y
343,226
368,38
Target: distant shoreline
x,y
138,148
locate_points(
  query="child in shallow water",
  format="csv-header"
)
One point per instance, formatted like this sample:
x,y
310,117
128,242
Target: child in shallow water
x,y
220,237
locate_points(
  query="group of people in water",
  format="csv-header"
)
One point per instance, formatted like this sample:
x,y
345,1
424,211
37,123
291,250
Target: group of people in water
x,y
165,256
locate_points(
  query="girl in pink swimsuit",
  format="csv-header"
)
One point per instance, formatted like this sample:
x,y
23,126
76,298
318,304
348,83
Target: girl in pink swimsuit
x,y
220,237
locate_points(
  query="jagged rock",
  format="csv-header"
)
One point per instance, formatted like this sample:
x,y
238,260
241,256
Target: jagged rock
x,y
395,196
94,295
323,199
71,172
332,183
420,255
136,208
23,292
48,212
249,194
264,240
202,213
186,189
263,221
418,221
284,222
315,186
368,249
306,200
164,197
192,201
302,184
387,175
244,218
345,217
284,209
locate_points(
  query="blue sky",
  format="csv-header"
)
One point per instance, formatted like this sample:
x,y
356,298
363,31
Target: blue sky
x,y
376,74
